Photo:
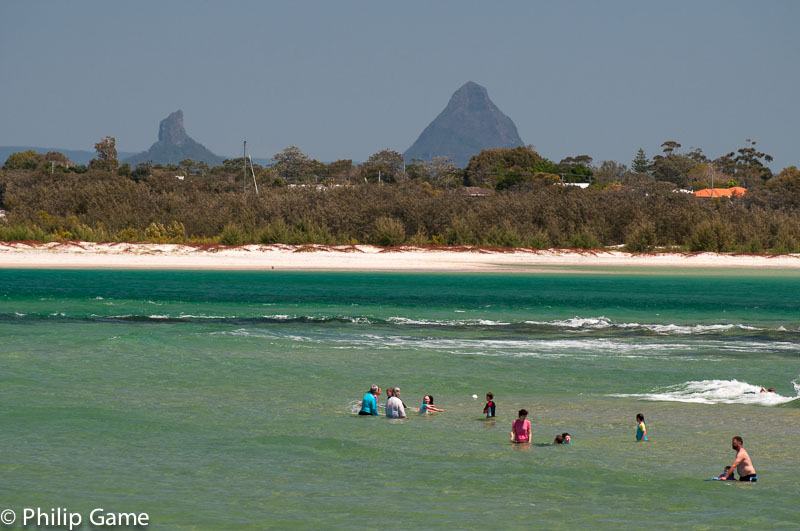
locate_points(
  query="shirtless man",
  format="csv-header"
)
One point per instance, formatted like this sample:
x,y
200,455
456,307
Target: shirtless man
x,y
742,463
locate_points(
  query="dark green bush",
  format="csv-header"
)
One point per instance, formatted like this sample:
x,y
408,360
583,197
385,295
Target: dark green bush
x,y
712,236
641,237
389,231
584,240
232,234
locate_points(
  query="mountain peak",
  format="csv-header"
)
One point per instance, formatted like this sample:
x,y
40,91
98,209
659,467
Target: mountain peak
x,y
171,130
174,145
471,91
470,123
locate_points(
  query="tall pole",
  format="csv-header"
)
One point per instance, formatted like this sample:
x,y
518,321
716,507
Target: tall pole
x,y
712,181
244,168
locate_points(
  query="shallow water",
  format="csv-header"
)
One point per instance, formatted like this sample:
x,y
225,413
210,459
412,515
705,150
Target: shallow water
x,y
221,400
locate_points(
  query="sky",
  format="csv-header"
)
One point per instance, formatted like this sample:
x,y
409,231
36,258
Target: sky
x,y
345,79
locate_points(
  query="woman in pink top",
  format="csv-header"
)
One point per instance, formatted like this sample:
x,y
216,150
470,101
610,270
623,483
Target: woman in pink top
x,y
521,428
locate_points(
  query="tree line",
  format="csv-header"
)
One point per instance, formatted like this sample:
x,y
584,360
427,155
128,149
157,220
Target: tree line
x,y
503,198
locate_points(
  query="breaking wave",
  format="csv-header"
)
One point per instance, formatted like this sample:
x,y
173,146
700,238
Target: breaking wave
x,y
591,326
716,392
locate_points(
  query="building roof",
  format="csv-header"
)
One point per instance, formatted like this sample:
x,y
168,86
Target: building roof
x,y
721,192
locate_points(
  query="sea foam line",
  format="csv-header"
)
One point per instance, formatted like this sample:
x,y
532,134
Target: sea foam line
x,y
715,392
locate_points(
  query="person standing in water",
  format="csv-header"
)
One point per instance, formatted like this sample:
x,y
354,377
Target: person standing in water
x,y
742,464
641,429
369,404
521,428
489,408
394,406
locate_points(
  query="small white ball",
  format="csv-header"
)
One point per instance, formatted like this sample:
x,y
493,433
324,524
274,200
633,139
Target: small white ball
x,y
474,397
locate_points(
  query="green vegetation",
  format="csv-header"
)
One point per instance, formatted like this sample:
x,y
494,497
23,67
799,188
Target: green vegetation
x,y
389,202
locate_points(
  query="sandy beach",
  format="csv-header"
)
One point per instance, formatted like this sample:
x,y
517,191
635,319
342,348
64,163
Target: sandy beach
x,y
88,255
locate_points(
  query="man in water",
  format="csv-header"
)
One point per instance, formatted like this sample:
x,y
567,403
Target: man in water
x,y
742,464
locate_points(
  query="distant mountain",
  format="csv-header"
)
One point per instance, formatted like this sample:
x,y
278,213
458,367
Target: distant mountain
x,y
75,155
174,145
469,124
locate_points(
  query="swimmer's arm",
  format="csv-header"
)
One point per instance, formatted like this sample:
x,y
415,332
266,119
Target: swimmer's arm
x,y
736,463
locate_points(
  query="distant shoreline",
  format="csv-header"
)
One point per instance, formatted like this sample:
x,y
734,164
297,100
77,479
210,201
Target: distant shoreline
x,y
314,257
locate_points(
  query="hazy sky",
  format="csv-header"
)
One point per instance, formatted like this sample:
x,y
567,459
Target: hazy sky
x,y
344,79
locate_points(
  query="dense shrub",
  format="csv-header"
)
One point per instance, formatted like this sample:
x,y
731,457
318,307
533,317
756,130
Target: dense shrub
x,y
584,240
389,231
232,234
275,232
710,235
787,241
504,235
641,237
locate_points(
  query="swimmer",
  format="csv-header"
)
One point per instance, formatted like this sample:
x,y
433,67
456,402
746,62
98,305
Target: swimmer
x,y
567,438
390,393
558,440
742,464
376,399
489,408
724,474
641,429
394,406
369,404
427,405
521,428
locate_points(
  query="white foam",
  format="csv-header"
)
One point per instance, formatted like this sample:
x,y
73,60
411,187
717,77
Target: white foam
x,y
455,322
715,392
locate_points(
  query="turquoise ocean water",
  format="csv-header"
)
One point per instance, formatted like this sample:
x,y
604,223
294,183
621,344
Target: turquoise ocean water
x,y
225,400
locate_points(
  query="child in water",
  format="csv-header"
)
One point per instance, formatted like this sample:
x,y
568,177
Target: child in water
x,y
521,428
489,408
641,429
427,405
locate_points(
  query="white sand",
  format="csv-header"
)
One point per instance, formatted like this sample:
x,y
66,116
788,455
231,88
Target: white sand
x,y
352,258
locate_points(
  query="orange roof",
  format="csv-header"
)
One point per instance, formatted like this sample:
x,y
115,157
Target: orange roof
x,y
721,192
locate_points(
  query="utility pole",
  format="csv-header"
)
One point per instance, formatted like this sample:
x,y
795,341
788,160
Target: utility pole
x,y
712,181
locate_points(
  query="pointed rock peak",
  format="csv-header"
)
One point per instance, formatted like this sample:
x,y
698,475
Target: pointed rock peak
x,y
174,145
471,96
171,130
471,90
470,123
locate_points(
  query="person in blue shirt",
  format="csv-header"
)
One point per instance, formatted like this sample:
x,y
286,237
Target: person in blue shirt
x,y
369,404
427,405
